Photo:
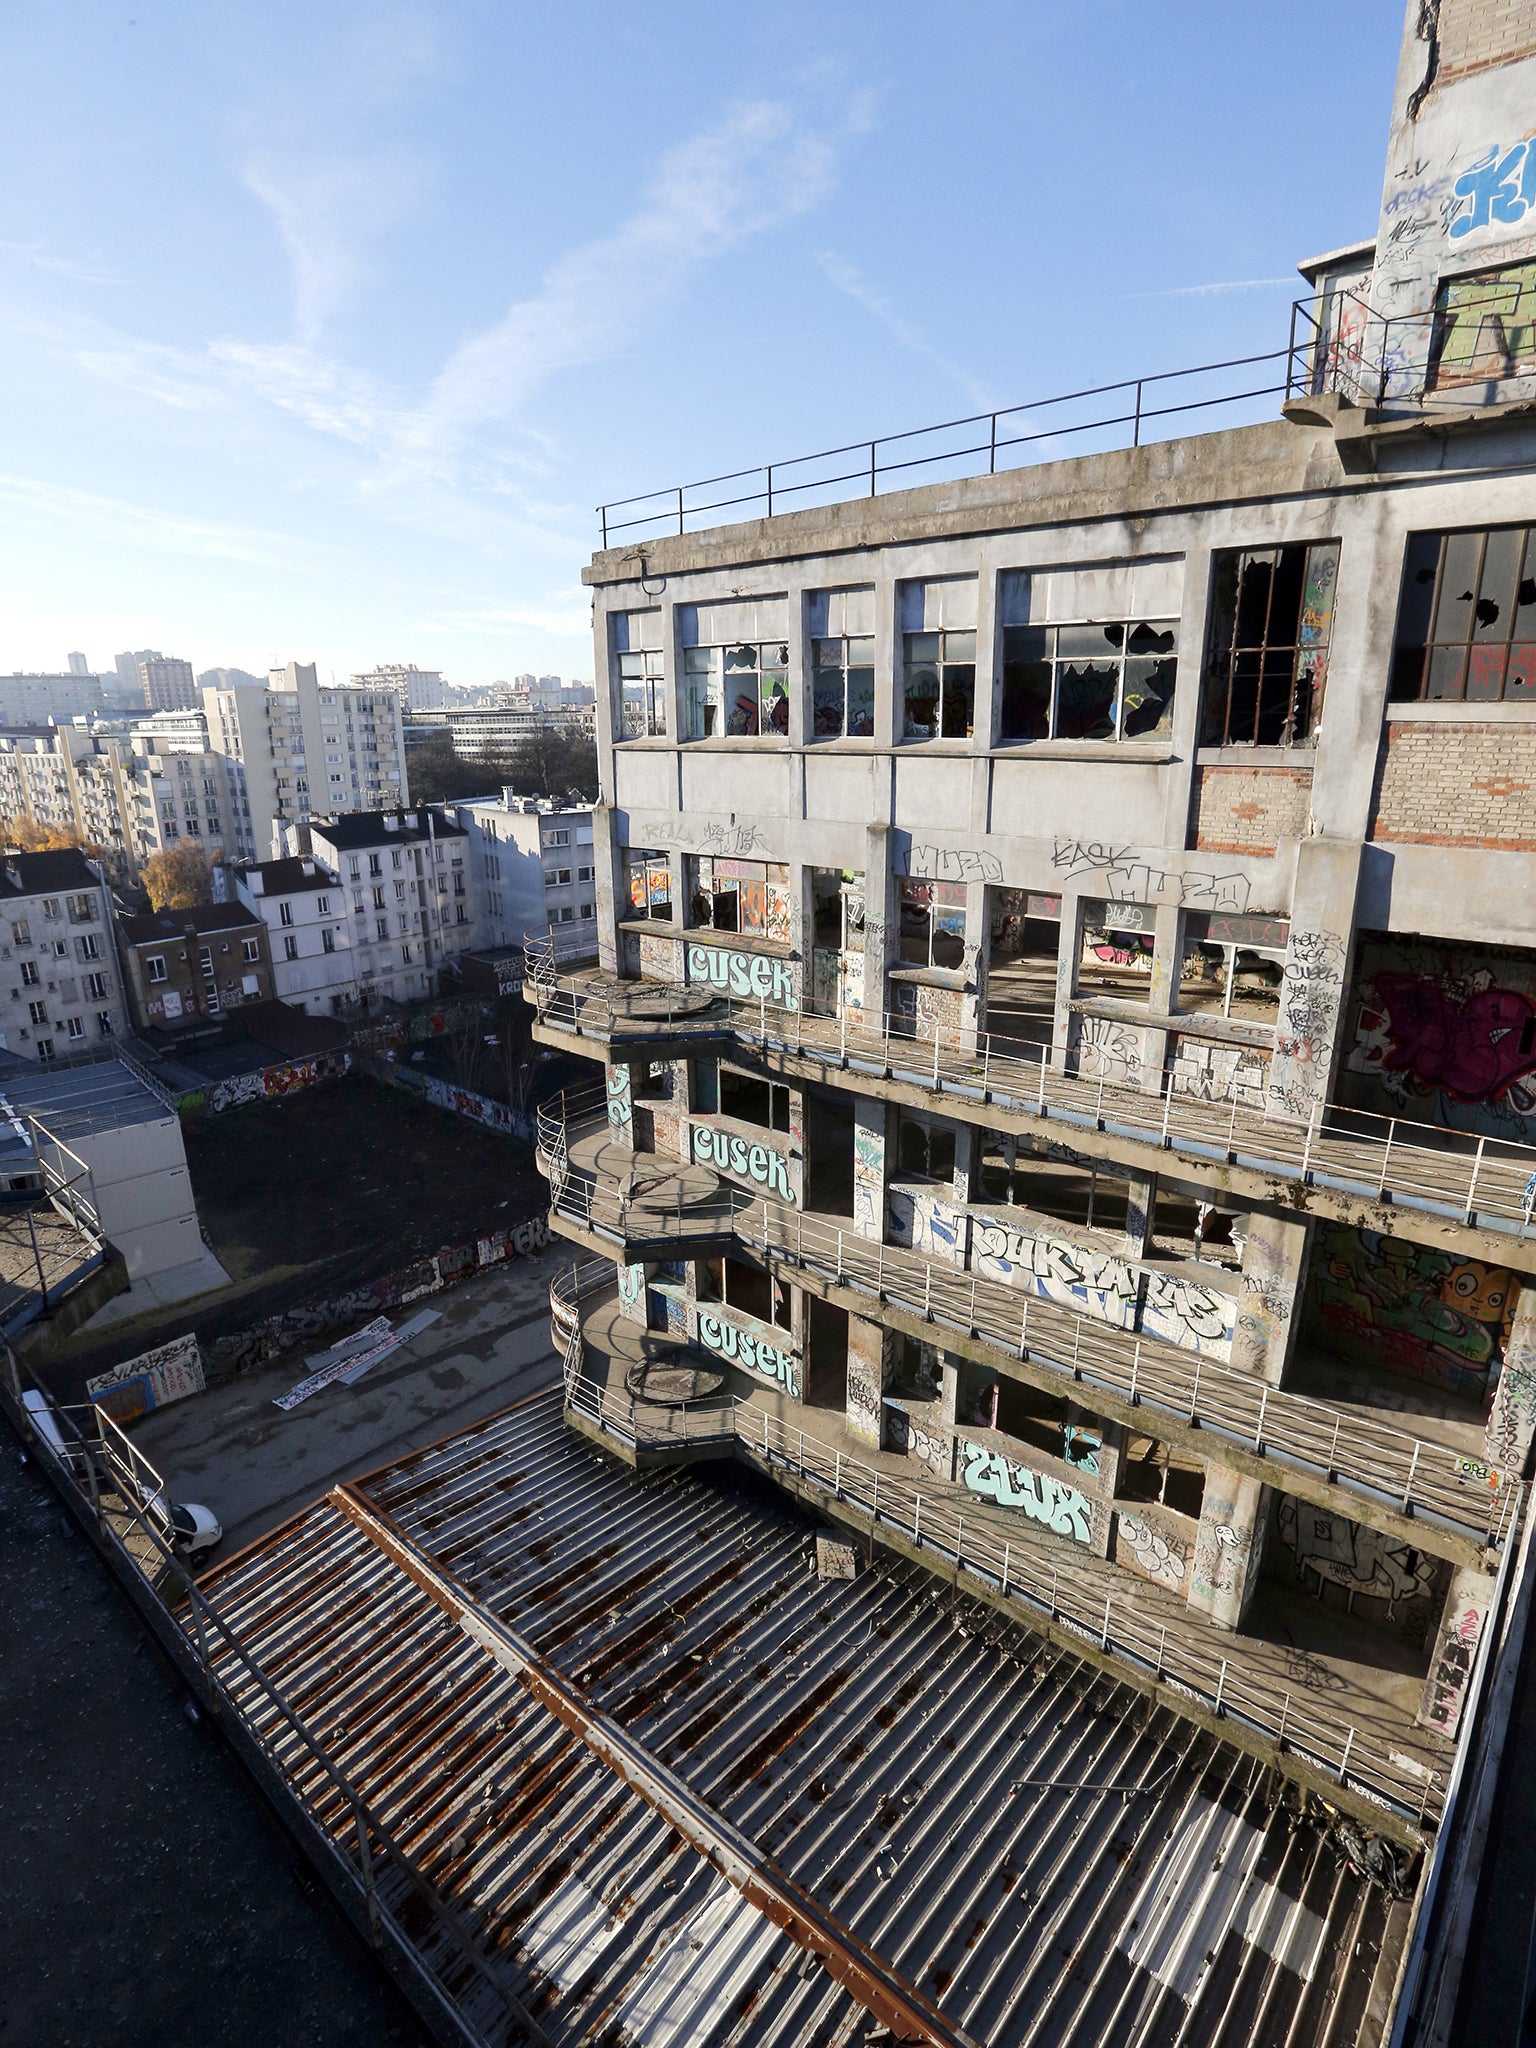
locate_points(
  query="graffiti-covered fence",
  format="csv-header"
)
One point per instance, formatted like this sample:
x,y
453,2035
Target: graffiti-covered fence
x,y
243,1350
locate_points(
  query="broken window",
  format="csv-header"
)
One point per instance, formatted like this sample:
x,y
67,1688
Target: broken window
x,y
932,923
750,896
1466,624
1485,327
648,883
738,691
643,695
1183,1226
1110,681
925,1151
1073,1189
837,927
754,1101
939,685
843,688
653,1078
1220,976
1267,656
1117,951
747,1288
1157,1473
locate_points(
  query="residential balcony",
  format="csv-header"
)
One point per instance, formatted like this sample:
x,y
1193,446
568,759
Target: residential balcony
x,y
1410,1482
1298,1694
1420,1181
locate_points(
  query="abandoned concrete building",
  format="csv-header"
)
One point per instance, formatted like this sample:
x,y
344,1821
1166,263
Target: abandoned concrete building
x,y
1066,988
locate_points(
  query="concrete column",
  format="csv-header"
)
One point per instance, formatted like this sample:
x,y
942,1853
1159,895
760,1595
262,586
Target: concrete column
x,y
1512,1418
870,1167
1462,1621
1140,1209
608,875
868,1376
799,668
672,658
881,923
978,946
632,1293
1228,1544
1316,972
1063,1030
1162,994
621,1109
1268,1310
887,656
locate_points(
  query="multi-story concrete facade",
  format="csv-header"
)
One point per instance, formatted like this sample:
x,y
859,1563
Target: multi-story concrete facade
x,y
59,987
482,733
420,689
307,750
533,861
35,699
370,909
167,683
1067,947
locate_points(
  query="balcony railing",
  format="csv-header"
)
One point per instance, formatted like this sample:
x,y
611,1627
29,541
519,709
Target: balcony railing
x,y
1366,1457
1129,412
1073,1597
1486,1182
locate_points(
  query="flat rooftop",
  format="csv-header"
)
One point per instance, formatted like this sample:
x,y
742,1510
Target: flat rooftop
x,y
81,1102
997,1832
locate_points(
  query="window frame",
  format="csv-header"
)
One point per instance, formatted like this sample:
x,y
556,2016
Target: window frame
x,y
1306,688
706,688
823,691
942,661
643,671
1119,656
1415,660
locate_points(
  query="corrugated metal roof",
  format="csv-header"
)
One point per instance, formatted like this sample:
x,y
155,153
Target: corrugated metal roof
x,y
1033,1849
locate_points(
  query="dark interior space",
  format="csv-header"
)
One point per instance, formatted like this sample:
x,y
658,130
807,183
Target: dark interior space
x,y
826,1372
829,1152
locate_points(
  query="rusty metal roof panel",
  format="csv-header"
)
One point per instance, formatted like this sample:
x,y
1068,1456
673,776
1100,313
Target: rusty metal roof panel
x,y
1031,1847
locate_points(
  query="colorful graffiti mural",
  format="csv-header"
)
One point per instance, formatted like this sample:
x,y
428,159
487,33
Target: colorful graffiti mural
x,y
1051,1502
1380,1301
1446,1035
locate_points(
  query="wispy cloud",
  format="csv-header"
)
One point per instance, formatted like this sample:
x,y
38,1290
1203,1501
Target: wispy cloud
x,y
331,212
563,616
38,256
756,169
852,283
1211,291
90,515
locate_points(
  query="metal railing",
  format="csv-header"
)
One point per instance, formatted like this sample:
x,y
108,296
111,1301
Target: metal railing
x,y
1436,358
1473,1180
1123,412
1369,1761
1364,1456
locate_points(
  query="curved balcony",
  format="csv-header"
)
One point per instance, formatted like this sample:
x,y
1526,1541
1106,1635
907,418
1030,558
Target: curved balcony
x,y
1415,1486
1482,1183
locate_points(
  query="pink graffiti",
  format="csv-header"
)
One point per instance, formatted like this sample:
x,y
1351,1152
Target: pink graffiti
x,y
1475,1050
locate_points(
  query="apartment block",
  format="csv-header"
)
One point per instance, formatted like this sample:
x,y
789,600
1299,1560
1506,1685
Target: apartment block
x,y
191,966
483,732
535,864
167,683
1064,1013
419,689
59,989
370,911
35,699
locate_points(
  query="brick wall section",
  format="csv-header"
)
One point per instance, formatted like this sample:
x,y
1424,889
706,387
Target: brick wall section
x,y
1474,34
1249,810
1457,785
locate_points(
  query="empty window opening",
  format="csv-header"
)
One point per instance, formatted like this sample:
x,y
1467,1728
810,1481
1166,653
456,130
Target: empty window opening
x,y
753,1101
1024,934
1115,962
932,923
1218,978
1466,625
1267,657
739,692
939,685
925,1150
843,688
1073,1191
643,695
1162,1476
647,884
748,896
1104,681
747,1288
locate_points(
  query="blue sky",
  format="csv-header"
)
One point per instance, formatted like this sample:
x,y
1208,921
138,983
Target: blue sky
x,y
325,327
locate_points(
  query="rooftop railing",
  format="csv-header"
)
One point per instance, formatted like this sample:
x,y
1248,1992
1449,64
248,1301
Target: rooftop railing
x,y
1429,1482
1126,413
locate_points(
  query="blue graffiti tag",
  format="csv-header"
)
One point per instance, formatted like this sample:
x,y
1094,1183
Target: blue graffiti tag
x,y
1500,186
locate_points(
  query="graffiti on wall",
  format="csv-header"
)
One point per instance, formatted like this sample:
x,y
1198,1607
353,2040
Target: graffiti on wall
x,y
168,1373
272,1083
868,1345
480,1109
920,1439
1113,1290
868,1172
1157,1553
953,864
1446,1035
620,1109
1051,1502
1450,1669
749,1349
1380,1301
925,1222
1311,987
1499,188
758,1165
752,977
1218,1073
1109,1051
1361,1560
1130,877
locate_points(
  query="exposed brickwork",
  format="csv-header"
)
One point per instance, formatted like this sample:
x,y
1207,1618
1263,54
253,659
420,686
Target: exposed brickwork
x,y
1248,810
1474,34
1457,785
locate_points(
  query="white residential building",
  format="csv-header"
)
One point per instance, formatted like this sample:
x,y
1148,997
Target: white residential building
x,y
167,683
307,750
33,700
371,911
421,689
59,987
533,862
